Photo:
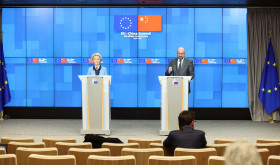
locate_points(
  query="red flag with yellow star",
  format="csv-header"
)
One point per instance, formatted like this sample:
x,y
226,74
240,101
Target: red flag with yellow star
x,y
149,22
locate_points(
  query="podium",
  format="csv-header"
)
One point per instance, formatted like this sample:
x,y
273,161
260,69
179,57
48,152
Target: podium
x,y
96,104
174,99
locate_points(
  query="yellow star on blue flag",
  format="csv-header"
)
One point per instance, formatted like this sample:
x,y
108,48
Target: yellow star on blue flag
x,y
270,99
5,95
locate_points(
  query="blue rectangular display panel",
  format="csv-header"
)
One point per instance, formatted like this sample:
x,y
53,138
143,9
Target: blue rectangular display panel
x,y
234,33
149,69
154,43
95,31
208,83
40,82
208,32
39,32
67,32
121,46
13,27
192,84
67,82
124,82
86,64
16,69
180,31
234,93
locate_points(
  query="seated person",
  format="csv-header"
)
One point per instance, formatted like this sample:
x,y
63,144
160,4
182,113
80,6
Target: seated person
x,y
240,153
187,136
97,69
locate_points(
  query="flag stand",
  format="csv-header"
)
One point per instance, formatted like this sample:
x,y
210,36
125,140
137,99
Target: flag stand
x,y
1,115
271,120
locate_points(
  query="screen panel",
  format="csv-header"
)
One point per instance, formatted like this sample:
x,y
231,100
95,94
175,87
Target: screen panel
x,y
208,80
95,31
13,27
16,71
180,31
67,32
191,94
149,94
152,43
121,46
208,32
234,93
234,33
40,82
67,83
86,64
39,32
124,82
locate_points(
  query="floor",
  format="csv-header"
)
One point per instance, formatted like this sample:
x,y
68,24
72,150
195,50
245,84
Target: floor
x,y
124,129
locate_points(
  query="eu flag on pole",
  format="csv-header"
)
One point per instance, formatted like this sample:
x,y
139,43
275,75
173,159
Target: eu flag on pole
x,y
269,93
5,95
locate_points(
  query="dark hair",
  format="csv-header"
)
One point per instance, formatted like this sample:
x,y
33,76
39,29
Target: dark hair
x,y
186,117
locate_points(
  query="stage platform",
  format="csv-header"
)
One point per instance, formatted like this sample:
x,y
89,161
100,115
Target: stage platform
x,y
124,129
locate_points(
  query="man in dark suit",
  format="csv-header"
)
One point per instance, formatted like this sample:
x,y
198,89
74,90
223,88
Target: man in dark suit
x,y
187,136
180,66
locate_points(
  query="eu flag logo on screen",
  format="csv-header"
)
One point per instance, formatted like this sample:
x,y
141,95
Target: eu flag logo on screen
x,y
269,93
126,23
5,95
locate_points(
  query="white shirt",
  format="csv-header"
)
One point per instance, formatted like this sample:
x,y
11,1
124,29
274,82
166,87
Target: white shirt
x,y
178,63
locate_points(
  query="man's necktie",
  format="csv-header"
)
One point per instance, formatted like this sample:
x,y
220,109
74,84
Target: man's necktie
x,y
180,65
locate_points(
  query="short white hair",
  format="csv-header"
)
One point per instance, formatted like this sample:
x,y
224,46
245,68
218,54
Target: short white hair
x,y
96,54
242,153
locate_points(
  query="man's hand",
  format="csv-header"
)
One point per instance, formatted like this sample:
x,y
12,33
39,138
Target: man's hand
x,y
170,69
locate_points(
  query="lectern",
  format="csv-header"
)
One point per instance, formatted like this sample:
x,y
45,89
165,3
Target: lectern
x,y
96,104
174,99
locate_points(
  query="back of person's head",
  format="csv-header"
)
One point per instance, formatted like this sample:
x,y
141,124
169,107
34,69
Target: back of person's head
x,y
186,118
241,153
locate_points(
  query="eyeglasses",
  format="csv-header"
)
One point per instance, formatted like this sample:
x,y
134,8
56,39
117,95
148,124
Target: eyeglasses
x,y
180,53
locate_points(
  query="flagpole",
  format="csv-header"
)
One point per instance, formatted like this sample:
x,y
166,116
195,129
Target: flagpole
x,y
271,119
1,115
272,114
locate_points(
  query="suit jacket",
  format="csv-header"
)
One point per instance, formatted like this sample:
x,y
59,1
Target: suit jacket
x,y
186,137
103,71
187,68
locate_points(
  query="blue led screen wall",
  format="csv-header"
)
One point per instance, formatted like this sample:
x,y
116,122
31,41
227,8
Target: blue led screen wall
x,y
67,32
47,48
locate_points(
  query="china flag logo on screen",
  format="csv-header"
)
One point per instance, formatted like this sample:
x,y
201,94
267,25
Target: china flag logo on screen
x,y
119,60
233,61
204,61
35,60
149,22
148,60
63,60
